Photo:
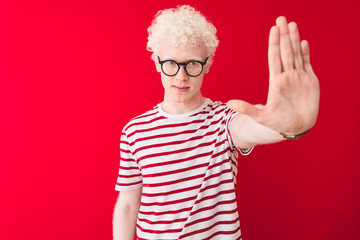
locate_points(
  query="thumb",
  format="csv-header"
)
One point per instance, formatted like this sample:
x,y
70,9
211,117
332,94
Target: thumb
x,y
244,108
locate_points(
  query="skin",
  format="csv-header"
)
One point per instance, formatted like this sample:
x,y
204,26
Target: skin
x,y
293,99
292,104
125,214
182,93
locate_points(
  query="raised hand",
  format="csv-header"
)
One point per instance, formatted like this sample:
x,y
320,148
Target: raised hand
x,y
293,98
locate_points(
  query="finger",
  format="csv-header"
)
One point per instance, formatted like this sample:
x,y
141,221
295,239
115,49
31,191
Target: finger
x,y
244,108
286,50
274,57
305,51
295,42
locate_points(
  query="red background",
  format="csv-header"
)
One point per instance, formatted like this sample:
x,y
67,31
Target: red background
x,y
73,72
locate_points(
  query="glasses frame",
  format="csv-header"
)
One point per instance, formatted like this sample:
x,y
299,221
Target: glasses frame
x,y
182,64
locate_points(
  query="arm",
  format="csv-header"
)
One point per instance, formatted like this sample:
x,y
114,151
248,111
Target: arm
x,y
125,214
246,132
293,99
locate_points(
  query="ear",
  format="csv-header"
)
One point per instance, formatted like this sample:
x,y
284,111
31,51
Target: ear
x,y
158,66
209,63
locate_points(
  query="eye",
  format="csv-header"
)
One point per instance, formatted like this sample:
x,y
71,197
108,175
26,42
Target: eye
x,y
171,62
194,63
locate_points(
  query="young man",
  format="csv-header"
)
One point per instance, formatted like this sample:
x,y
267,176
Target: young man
x,y
178,161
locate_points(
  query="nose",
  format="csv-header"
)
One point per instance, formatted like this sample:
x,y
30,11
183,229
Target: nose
x,y
182,75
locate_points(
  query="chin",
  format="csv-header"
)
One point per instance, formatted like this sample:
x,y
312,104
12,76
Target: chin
x,y
181,99
184,98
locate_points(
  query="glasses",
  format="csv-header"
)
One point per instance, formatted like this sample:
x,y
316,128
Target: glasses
x,y
192,68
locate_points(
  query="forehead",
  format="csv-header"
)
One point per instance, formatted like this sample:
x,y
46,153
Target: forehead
x,y
166,50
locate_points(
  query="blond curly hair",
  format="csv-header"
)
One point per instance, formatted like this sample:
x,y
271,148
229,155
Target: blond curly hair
x,y
184,27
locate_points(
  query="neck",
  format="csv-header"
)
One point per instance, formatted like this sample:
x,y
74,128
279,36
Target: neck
x,y
174,107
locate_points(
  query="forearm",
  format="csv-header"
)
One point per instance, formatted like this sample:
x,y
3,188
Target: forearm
x,y
247,133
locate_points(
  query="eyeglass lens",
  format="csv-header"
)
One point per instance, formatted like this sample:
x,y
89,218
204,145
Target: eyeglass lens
x,y
192,68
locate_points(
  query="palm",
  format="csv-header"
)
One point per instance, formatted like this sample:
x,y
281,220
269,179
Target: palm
x,y
293,97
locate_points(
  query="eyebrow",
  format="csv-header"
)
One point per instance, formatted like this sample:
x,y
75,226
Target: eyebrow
x,y
190,59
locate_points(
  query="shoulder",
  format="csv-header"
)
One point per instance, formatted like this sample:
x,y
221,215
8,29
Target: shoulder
x,y
142,119
218,107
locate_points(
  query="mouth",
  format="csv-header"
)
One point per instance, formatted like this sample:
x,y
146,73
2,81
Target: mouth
x,y
181,89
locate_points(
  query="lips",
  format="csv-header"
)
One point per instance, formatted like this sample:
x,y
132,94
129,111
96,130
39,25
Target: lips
x,y
181,89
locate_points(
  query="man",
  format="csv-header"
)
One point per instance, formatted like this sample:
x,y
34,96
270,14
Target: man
x,y
178,161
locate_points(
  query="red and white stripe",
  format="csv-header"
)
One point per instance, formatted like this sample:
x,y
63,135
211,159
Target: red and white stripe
x,y
186,165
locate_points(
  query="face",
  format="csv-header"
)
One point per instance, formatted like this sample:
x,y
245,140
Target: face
x,y
182,88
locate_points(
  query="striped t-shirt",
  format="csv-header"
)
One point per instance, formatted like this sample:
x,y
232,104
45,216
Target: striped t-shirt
x,y
186,165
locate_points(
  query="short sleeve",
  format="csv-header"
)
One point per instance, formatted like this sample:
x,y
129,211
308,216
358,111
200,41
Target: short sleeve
x,y
229,117
129,177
